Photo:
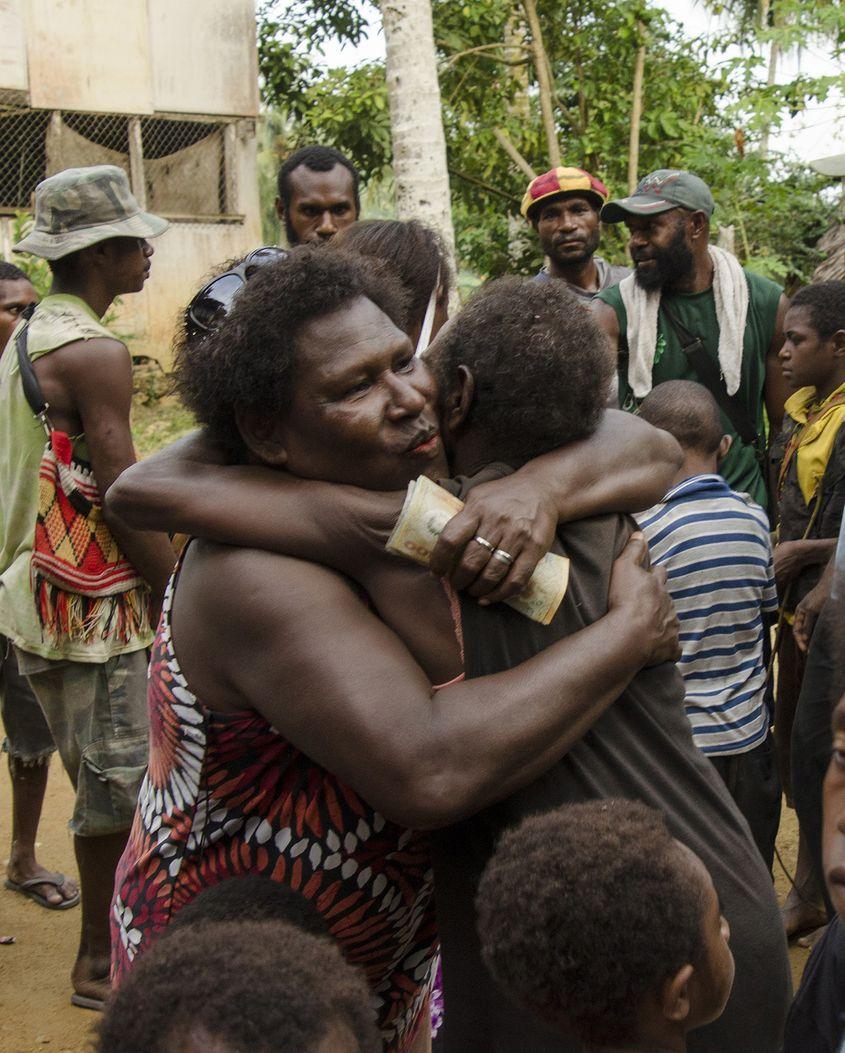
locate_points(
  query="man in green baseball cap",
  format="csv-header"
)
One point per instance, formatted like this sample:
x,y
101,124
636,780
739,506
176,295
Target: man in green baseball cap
x,y
83,651
690,312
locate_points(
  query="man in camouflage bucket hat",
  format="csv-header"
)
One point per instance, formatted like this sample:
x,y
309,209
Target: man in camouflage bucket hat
x,y
89,680
84,206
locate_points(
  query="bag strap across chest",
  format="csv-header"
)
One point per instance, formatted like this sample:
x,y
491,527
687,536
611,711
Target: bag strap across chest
x,y
31,388
708,373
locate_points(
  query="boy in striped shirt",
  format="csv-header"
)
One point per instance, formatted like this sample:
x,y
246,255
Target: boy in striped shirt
x,y
715,546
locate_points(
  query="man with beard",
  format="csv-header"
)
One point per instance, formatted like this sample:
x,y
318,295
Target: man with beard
x,y
563,205
690,312
318,194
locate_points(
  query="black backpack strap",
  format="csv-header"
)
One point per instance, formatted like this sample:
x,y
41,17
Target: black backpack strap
x,y
31,388
709,374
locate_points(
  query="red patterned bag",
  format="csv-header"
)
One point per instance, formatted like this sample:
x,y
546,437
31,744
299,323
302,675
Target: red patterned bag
x,y
83,584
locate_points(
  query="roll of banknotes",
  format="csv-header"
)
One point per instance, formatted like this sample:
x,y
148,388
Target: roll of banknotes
x,y
427,510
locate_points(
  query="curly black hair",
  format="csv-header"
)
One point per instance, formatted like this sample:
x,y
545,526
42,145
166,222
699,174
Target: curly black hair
x,y
585,911
687,411
251,897
318,159
414,252
542,366
10,273
826,303
251,987
250,361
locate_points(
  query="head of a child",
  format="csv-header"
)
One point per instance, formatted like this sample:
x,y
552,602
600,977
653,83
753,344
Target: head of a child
x,y
689,413
250,897
813,352
614,930
240,987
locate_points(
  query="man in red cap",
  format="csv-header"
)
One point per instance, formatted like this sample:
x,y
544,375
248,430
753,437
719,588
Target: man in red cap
x,y
563,206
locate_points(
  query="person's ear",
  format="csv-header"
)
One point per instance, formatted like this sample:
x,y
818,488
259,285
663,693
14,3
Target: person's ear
x,y
675,995
838,343
263,435
280,209
698,225
459,400
101,255
724,446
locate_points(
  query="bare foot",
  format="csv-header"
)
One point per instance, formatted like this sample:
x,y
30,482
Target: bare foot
x,y
799,917
19,871
90,978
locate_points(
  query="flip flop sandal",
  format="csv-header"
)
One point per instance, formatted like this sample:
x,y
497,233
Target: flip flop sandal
x,y
84,1002
27,888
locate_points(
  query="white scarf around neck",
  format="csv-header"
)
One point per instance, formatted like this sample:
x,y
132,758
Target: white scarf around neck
x,y
730,291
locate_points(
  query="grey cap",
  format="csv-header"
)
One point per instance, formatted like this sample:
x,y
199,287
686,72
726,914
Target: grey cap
x,y
83,206
658,192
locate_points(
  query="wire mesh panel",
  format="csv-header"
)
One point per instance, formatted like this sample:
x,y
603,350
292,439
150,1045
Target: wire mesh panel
x,y
184,163
23,160
76,140
184,167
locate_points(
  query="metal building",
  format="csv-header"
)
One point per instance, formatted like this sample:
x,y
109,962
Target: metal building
x,y
167,90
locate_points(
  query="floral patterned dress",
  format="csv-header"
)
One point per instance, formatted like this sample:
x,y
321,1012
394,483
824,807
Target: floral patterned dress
x,y
227,795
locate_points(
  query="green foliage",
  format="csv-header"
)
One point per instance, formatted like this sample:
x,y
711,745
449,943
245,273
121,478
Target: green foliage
x,y
697,113
36,269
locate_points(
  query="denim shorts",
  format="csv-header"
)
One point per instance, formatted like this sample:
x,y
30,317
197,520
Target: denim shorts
x,y
28,740
97,714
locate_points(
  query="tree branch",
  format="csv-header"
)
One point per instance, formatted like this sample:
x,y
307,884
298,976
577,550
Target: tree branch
x,y
544,81
474,181
453,58
636,112
502,139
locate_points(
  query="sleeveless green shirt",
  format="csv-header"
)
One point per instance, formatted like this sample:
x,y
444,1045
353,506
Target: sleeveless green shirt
x,y
697,313
58,320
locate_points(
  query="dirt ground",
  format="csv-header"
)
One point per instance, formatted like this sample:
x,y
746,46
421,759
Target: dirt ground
x,y
35,1011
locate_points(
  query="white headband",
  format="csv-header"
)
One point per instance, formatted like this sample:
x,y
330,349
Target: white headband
x,y
428,320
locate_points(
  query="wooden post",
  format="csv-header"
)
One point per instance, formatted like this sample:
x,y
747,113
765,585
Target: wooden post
x,y
136,162
230,168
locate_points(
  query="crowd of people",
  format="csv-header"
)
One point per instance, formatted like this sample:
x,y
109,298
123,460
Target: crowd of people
x,y
331,800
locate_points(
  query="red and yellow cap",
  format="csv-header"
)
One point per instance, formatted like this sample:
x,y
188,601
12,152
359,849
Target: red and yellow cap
x,y
563,181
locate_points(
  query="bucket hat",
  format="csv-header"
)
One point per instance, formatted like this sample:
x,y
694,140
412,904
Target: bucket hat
x,y
83,206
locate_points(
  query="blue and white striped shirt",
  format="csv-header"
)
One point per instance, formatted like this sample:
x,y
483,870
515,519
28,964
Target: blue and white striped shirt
x,y
715,546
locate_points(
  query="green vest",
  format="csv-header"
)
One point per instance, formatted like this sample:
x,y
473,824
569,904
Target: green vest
x,y
58,320
697,313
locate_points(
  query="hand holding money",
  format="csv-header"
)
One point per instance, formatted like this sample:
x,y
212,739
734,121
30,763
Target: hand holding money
x,y
428,508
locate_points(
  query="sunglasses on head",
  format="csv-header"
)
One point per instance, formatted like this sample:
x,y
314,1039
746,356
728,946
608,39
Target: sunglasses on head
x,y
214,301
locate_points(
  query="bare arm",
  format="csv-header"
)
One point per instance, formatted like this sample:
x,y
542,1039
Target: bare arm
x,y
186,488
810,607
791,557
626,465
92,381
775,393
339,685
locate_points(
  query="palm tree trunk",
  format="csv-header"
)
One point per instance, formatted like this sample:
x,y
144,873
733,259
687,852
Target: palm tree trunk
x,y
416,124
